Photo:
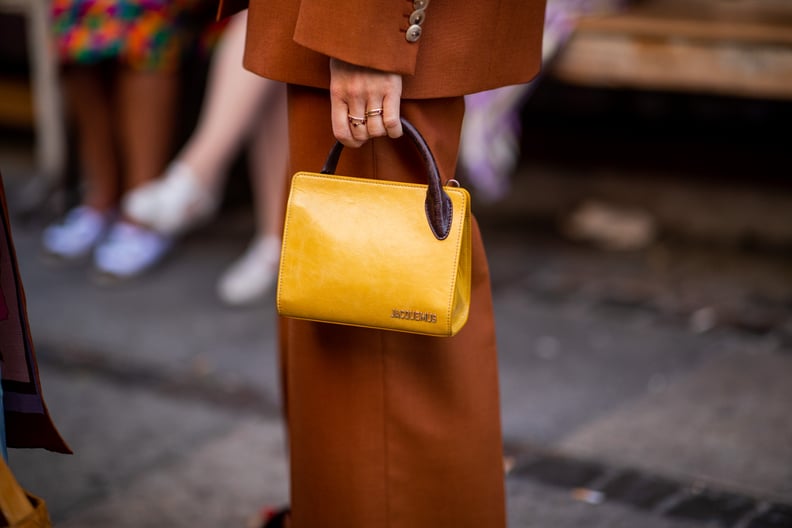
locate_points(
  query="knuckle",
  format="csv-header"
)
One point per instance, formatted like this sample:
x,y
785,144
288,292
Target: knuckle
x,y
355,90
395,132
391,122
340,133
353,143
336,91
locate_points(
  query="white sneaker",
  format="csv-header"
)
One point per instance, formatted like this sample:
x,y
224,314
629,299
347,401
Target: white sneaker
x,y
77,234
173,204
129,250
253,274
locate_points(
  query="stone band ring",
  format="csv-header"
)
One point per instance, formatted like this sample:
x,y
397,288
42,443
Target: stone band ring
x,y
356,121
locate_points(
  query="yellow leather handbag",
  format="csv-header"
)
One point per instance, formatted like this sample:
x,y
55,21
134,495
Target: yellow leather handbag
x,y
377,254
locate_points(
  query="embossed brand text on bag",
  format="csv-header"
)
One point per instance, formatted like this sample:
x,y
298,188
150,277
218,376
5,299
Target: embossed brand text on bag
x,y
413,315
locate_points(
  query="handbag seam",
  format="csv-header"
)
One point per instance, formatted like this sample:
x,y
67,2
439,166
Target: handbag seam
x,y
450,327
283,247
363,181
467,238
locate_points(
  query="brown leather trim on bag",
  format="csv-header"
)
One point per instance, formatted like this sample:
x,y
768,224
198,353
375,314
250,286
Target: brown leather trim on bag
x,y
439,210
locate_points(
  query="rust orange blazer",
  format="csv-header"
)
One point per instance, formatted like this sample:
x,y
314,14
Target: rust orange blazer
x,y
464,46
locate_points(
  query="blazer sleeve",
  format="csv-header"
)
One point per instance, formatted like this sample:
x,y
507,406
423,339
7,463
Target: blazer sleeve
x,y
226,8
370,33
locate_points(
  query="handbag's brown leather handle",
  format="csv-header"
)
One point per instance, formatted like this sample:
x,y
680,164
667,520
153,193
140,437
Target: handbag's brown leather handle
x,y
439,209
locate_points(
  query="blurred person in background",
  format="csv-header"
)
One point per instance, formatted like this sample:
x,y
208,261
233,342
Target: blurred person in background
x,y
491,134
120,63
239,106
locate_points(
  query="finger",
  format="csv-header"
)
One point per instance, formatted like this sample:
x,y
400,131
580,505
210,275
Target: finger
x,y
340,121
357,121
374,122
391,115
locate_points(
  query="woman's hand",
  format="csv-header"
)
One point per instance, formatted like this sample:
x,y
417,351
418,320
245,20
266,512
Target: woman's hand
x,y
364,103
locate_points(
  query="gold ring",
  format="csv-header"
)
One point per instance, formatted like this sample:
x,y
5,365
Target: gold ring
x,y
356,121
374,112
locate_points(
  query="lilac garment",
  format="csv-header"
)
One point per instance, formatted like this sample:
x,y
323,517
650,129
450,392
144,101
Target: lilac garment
x,y
491,133
490,142
561,15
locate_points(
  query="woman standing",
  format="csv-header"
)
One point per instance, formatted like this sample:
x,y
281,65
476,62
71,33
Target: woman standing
x,y
390,429
120,63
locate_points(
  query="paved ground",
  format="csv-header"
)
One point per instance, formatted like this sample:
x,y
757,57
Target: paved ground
x,y
643,389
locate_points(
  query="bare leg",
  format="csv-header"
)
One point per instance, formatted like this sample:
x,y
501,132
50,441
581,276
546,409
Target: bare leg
x,y
188,194
147,104
87,98
254,273
234,97
269,148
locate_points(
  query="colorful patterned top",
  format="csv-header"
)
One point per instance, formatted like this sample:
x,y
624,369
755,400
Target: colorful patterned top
x,y
142,34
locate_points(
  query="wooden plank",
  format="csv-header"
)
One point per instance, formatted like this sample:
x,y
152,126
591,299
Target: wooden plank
x,y
694,29
768,11
614,60
16,103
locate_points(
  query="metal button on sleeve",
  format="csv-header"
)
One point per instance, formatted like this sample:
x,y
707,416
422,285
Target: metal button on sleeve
x,y
420,4
413,33
417,17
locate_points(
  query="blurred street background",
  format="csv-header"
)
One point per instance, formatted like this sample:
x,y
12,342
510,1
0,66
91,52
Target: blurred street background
x,y
642,273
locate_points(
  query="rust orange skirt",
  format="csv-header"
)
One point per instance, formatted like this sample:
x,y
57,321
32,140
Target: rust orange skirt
x,y
386,429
